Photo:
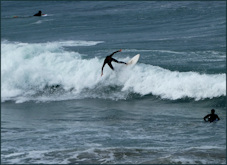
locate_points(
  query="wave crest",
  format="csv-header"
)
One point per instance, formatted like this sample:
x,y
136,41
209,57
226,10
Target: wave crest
x,y
45,71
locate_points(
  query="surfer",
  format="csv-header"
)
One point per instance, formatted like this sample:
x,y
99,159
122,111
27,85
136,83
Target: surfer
x,y
211,117
38,14
109,59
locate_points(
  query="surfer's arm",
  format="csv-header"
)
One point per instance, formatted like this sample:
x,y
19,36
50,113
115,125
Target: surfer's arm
x,y
118,61
206,117
217,117
114,53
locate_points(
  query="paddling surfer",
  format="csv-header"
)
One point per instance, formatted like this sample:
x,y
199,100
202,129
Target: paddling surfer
x,y
38,14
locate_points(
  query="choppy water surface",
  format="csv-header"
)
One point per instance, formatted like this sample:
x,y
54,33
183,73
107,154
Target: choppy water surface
x,y
56,107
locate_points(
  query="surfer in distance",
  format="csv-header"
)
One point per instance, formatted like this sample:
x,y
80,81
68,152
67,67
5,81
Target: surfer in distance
x,y
211,117
109,59
38,14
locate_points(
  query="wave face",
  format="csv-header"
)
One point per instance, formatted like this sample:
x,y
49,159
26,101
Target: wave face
x,y
48,72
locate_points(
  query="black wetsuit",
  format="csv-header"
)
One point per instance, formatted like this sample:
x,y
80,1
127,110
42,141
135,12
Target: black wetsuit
x,y
109,59
38,14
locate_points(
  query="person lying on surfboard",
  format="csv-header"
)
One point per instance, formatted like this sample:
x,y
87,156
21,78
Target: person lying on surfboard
x,y
38,14
109,59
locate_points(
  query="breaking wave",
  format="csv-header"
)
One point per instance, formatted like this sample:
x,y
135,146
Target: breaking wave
x,y
48,72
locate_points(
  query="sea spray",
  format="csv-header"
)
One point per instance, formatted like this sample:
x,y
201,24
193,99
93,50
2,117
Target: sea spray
x,y
47,70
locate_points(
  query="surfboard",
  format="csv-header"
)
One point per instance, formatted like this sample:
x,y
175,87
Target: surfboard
x,y
134,60
44,15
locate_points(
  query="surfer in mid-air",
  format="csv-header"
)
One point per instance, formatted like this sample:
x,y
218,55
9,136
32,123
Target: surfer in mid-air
x,y
109,59
211,117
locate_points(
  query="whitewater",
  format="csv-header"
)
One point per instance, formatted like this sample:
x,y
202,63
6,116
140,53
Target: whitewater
x,y
46,71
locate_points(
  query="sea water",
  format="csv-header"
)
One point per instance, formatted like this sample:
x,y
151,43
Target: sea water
x,y
56,108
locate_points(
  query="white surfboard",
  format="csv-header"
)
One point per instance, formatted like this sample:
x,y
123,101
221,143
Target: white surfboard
x,y
134,60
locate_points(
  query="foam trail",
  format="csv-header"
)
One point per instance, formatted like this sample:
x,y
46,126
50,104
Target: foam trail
x,y
30,71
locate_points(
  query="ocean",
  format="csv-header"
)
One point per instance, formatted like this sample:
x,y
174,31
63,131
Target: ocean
x,y
56,108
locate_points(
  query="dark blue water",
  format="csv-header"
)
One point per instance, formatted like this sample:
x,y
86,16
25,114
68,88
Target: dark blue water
x,y
56,107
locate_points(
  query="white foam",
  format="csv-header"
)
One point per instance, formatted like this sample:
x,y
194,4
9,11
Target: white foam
x,y
207,147
37,157
173,84
78,43
28,68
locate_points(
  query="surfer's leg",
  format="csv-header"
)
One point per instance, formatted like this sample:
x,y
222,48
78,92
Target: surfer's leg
x,y
110,65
